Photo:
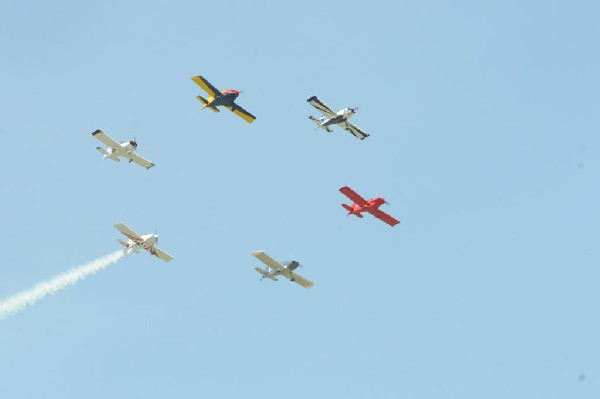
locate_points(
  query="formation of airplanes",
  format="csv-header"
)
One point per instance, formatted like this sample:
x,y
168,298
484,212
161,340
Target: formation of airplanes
x,y
226,98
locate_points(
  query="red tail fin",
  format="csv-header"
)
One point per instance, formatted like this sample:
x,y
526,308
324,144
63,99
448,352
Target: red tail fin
x,y
347,207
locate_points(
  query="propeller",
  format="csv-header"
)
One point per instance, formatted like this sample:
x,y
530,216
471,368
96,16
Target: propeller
x,y
353,110
384,201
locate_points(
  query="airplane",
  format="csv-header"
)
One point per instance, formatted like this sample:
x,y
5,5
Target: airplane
x,y
124,149
362,205
331,117
275,269
137,242
225,98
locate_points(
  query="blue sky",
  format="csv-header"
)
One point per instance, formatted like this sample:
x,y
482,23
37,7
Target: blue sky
x,y
484,139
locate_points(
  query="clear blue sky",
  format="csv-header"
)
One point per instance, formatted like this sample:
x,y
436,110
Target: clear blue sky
x,y
484,128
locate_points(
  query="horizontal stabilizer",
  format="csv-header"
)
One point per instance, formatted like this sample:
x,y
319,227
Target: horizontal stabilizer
x,y
347,207
318,123
107,155
265,274
205,103
123,243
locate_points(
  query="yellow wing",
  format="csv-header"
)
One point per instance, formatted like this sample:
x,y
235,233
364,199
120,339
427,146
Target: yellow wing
x,y
206,86
242,113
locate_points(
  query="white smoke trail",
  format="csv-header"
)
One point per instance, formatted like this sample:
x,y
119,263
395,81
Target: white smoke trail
x,y
20,301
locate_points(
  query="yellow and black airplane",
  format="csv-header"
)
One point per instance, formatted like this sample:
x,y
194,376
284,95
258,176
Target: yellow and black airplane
x,y
225,98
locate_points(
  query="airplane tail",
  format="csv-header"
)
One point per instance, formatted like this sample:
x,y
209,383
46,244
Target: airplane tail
x,y
123,243
106,154
205,104
265,274
349,209
318,123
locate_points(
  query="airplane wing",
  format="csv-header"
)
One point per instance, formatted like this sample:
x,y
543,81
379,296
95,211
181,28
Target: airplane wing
x,y
353,129
348,192
127,231
139,160
379,214
206,86
106,139
267,260
156,251
242,113
296,278
318,104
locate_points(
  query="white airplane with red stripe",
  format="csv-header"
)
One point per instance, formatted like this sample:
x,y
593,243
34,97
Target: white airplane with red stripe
x,y
136,242
126,149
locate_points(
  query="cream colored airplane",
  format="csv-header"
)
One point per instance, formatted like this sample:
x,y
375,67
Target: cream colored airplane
x,y
144,241
124,149
275,269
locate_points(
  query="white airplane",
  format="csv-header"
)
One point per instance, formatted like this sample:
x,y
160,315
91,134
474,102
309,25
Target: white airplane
x,y
124,149
137,242
331,117
275,269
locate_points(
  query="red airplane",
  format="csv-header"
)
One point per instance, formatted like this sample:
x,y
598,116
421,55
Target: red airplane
x,y
362,205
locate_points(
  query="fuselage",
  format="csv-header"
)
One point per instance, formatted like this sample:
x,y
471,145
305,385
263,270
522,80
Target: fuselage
x,y
147,242
226,98
126,147
289,265
340,116
371,205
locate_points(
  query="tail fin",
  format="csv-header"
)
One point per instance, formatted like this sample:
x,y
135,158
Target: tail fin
x,y
265,274
205,104
347,207
318,123
123,243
